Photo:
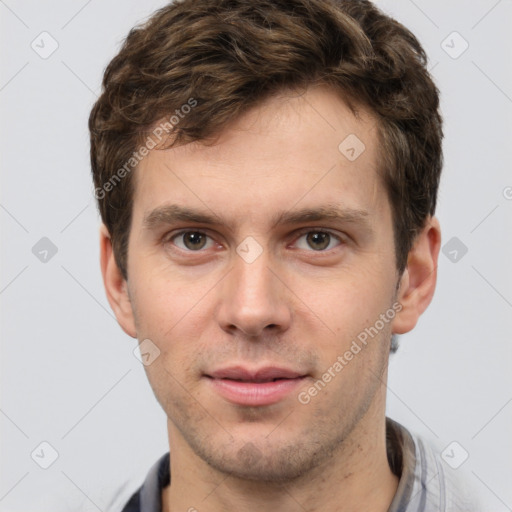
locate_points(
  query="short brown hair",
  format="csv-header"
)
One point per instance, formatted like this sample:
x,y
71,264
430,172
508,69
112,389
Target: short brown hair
x,y
226,56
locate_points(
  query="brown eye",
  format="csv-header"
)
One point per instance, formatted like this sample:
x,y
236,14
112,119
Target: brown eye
x,y
191,240
318,241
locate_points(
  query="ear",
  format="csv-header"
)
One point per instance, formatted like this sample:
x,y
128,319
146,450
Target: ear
x,y
116,286
418,282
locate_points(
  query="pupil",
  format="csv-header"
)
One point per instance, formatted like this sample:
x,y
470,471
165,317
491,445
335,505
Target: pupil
x,y
318,241
194,240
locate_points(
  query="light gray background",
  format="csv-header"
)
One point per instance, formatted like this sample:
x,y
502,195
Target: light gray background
x,y
69,376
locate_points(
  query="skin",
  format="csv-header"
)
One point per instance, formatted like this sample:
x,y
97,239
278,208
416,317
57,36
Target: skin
x,y
298,304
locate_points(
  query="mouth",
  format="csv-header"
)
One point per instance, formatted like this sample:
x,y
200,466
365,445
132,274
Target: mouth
x,y
257,381
246,387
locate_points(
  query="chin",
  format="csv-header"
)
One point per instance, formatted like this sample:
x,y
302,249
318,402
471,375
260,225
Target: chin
x,y
265,462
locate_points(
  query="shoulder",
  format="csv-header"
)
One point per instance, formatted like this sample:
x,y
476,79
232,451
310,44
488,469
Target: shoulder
x,y
148,497
427,482
133,504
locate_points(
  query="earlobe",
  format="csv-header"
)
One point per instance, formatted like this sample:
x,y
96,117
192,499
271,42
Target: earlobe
x,y
116,287
418,282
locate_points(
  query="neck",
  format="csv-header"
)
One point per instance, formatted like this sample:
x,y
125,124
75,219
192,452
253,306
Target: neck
x,y
356,477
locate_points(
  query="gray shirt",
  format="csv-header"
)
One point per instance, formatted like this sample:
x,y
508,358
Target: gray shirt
x,y
426,483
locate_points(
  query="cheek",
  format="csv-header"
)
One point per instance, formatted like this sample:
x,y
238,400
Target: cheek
x,y
165,302
348,303
175,314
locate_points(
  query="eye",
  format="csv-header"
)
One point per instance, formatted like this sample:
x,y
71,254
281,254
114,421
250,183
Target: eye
x,y
318,241
192,241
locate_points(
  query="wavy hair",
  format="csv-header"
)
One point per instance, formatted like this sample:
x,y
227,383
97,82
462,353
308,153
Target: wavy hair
x,y
230,55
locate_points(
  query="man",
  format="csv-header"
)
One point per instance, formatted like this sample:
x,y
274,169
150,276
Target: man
x,y
267,173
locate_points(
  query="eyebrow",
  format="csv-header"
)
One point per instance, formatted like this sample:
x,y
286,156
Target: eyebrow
x,y
172,213
322,213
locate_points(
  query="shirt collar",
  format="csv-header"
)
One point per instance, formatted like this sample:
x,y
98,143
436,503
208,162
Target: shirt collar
x,y
401,454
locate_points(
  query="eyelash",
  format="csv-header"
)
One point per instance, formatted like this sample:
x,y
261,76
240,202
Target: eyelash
x,y
302,233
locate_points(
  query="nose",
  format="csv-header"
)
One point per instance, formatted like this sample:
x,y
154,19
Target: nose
x,y
253,300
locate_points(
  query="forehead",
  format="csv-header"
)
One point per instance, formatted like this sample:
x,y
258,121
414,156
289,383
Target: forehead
x,y
293,149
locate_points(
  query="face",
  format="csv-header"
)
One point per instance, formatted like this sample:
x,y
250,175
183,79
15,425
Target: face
x,y
266,255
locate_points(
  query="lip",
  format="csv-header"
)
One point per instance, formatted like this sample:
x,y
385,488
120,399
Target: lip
x,y
256,387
